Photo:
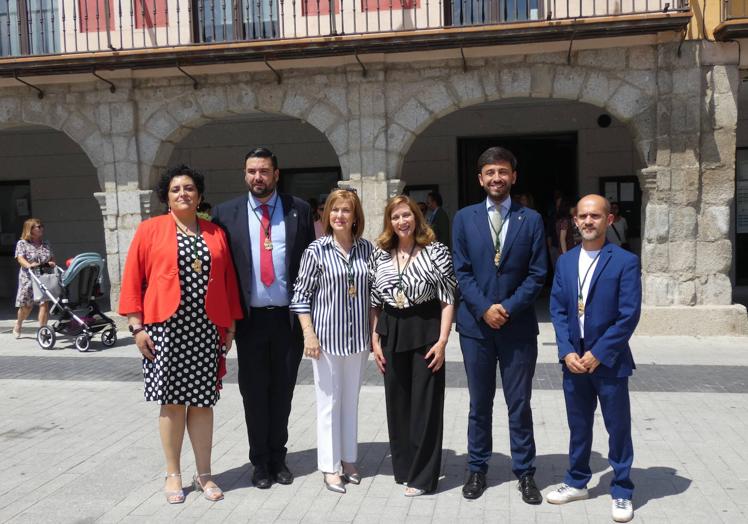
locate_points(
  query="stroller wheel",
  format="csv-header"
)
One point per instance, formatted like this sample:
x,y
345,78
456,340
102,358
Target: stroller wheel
x,y
46,337
109,337
81,342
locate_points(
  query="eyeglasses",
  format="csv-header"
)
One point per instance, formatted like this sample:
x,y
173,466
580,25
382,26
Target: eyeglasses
x,y
349,189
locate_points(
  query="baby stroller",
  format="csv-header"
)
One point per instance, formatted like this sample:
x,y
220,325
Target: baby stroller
x,y
75,311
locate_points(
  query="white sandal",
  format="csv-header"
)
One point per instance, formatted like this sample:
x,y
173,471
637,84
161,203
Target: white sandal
x,y
213,494
174,496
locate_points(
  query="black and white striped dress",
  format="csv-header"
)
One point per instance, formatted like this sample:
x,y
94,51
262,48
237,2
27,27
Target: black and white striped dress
x,y
430,275
341,321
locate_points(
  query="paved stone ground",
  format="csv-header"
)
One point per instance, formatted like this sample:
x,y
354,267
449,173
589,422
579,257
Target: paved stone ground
x,y
78,444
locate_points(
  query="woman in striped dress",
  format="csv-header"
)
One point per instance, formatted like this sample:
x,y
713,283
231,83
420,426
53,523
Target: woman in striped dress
x,y
413,286
331,298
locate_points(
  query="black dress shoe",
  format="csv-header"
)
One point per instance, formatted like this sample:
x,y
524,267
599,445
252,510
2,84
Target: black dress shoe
x,y
530,492
261,477
475,485
282,474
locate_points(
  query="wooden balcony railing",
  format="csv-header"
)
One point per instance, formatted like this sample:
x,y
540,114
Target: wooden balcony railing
x,y
55,27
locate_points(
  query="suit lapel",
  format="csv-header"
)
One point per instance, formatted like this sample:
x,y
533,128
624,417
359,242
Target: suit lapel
x,y
241,221
605,255
480,218
291,219
516,221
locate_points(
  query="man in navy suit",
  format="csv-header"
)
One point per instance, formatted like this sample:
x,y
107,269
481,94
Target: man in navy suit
x,y
501,263
267,232
595,306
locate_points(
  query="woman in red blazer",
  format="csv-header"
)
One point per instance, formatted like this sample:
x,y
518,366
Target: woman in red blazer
x,y
180,295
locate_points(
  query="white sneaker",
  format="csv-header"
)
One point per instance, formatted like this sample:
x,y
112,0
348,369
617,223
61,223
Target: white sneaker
x,y
566,493
622,510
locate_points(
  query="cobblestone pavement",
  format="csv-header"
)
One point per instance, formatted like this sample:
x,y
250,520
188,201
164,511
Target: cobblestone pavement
x,y
78,444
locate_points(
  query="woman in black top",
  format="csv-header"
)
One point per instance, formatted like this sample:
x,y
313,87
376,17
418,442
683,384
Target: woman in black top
x,y
412,301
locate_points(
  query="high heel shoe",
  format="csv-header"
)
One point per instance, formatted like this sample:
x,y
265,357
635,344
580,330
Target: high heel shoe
x,y
336,488
414,492
16,331
353,478
174,496
213,494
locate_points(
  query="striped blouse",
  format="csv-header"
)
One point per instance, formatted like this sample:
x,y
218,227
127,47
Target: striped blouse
x,y
429,275
340,321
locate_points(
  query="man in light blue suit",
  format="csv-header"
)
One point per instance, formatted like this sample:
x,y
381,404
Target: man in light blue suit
x,y
501,263
595,307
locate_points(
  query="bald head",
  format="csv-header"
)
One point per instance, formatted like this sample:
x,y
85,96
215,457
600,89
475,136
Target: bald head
x,y
596,200
592,219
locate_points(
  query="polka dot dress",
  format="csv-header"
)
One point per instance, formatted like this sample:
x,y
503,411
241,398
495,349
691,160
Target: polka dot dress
x,y
186,366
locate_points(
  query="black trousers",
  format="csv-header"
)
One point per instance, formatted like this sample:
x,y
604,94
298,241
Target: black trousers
x,y
415,414
269,348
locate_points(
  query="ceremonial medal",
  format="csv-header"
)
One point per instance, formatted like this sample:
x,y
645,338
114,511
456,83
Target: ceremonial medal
x,y
197,266
580,307
268,244
400,299
352,290
497,258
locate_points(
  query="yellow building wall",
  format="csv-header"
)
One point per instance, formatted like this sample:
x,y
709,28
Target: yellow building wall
x,y
708,14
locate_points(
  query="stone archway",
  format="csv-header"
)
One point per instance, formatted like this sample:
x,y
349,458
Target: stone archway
x,y
169,114
678,102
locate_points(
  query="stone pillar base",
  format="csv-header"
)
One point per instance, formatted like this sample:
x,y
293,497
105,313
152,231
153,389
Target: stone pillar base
x,y
694,321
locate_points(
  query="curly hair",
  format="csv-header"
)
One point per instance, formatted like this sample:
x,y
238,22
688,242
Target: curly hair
x,y
423,234
162,188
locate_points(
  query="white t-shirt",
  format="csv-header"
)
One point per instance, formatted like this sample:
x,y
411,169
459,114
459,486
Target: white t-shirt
x,y
587,264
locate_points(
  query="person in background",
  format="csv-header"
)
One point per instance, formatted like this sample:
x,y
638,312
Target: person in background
x,y
412,299
556,211
617,232
526,200
181,299
438,218
203,210
593,349
331,298
318,208
423,207
32,253
566,229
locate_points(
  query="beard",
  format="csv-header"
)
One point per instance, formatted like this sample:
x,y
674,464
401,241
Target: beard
x,y
263,192
593,234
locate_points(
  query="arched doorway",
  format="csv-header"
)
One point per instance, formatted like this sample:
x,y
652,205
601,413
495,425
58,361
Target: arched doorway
x,y
309,165
48,176
562,146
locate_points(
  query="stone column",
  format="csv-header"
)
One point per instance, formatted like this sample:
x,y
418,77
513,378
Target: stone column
x,y
368,162
122,212
686,250
123,204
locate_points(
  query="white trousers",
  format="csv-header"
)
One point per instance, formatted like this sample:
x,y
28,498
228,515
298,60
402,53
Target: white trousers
x,y
337,381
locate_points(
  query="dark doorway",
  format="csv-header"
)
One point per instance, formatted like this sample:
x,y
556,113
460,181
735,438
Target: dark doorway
x,y
544,163
626,192
741,217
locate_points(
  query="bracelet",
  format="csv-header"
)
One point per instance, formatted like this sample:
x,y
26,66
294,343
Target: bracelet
x,y
229,331
136,331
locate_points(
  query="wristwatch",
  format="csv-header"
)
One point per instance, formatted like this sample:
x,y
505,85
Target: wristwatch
x,y
135,330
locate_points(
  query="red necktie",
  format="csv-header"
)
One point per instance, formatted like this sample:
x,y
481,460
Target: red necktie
x,y
267,273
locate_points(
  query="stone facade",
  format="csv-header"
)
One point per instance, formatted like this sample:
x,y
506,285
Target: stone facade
x,y
680,107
